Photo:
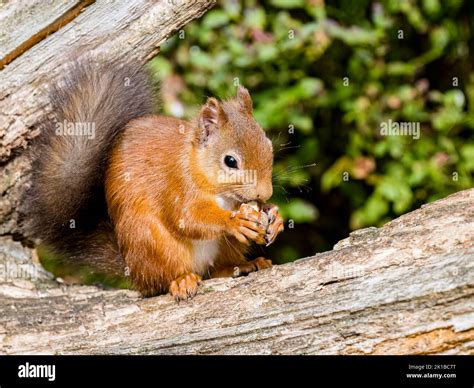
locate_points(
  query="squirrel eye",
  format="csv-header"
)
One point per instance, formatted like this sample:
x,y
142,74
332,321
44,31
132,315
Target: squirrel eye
x,y
230,161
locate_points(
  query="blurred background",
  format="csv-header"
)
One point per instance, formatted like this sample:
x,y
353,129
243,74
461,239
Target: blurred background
x,y
323,76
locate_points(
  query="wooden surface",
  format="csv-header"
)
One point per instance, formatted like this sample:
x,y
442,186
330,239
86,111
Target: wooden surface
x,y
27,22
406,288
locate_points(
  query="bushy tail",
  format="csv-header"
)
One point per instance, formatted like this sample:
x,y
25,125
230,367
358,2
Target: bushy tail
x,y
65,205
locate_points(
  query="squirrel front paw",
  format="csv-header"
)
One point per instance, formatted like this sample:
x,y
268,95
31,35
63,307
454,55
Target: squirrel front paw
x,y
261,224
185,286
246,226
275,222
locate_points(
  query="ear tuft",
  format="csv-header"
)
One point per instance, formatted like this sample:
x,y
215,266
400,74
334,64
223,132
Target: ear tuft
x,y
210,118
243,96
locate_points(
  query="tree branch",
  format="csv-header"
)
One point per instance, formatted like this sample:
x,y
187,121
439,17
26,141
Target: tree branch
x,y
406,288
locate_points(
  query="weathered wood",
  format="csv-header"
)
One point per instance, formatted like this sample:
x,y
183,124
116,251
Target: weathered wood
x,y
405,288
113,29
37,18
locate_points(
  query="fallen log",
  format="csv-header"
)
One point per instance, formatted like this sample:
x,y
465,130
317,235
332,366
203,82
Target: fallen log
x,y
405,288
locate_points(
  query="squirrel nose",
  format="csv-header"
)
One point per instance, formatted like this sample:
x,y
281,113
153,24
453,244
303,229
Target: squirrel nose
x,y
264,193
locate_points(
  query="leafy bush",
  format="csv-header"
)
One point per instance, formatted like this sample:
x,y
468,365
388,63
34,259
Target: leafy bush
x,y
324,79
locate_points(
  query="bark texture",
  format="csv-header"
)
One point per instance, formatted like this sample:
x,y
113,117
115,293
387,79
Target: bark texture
x,y
405,288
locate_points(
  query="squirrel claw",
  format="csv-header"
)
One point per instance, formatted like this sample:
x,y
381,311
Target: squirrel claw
x,y
185,286
242,269
254,265
275,223
251,266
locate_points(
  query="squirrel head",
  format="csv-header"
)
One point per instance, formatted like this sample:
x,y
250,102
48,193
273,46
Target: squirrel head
x,y
233,151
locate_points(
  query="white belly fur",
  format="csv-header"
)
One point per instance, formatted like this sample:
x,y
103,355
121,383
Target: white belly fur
x,y
205,252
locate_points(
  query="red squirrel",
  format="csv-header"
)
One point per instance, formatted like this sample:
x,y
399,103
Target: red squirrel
x,y
151,197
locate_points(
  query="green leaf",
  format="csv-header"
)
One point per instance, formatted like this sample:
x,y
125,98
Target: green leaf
x,y
432,7
161,67
215,18
396,191
454,98
372,211
267,52
302,123
287,3
255,17
467,152
299,211
308,87
333,177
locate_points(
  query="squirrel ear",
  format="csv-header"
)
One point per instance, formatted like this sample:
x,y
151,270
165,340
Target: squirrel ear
x,y
209,119
244,98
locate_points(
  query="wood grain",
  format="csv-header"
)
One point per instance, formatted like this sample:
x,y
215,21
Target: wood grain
x,y
406,288
37,18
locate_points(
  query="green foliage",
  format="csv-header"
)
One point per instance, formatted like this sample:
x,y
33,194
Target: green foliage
x,y
324,77
72,273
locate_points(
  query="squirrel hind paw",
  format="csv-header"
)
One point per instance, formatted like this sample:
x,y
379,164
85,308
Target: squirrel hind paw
x,y
185,286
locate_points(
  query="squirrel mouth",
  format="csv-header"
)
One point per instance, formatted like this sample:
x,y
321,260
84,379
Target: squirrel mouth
x,y
240,199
